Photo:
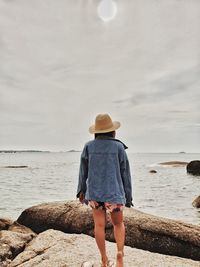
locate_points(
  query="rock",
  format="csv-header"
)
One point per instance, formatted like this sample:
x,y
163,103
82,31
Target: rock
x,y
143,230
53,248
16,227
153,171
5,223
196,202
13,241
193,167
174,163
8,224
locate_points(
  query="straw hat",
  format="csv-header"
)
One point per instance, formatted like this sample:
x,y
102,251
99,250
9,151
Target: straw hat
x,y
104,124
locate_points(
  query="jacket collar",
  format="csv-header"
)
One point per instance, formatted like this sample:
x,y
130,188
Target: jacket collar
x,y
111,138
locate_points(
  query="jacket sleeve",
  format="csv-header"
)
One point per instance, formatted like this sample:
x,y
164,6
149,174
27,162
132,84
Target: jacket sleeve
x,y
126,178
83,172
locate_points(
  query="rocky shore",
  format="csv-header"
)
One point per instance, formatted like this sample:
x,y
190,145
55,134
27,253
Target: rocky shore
x,y
143,231
53,248
57,235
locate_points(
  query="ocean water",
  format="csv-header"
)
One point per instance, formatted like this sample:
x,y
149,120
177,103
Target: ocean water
x,y
54,176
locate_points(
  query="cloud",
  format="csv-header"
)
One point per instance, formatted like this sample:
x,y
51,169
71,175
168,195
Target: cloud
x,y
169,86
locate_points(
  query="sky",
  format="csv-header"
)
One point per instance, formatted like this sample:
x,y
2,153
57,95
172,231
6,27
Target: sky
x,y
61,65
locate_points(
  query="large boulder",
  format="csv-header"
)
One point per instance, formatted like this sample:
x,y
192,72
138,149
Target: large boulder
x,y
53,248
143,230
193,167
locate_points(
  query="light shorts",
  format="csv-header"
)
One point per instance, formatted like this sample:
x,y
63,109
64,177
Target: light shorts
x,y
110,207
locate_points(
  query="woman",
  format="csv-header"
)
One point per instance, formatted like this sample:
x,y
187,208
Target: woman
x,y
105,183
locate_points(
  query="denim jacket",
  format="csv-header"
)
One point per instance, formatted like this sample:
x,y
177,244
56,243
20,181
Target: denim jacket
x,y
104,173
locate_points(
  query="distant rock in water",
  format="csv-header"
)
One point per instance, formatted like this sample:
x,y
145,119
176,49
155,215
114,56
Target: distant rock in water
x,y
193,167
17,166
153,171
174,163
196,202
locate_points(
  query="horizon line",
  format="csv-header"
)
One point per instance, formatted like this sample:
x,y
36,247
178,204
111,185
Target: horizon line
x,y
77,150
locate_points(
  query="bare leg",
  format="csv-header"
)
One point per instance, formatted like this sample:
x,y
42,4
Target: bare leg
x,y
119,233
99,231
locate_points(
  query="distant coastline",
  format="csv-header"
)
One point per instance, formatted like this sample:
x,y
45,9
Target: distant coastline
x,y
38,151
20,151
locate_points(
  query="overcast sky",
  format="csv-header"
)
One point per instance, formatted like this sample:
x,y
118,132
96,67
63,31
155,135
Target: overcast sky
x,y
61,65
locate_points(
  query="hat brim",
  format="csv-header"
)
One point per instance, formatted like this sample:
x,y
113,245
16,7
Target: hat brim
x,y
116,125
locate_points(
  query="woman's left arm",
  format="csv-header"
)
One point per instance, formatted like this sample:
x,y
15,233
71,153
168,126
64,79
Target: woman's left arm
x,y
126,178
83,174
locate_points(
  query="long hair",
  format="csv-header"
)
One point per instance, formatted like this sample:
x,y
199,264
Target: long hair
x,y
110,134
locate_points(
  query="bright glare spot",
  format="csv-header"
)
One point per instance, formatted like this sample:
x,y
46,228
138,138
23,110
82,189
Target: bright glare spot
x,y
107,10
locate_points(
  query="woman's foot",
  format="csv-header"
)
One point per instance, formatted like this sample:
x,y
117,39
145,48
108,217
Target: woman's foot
x,y
120,255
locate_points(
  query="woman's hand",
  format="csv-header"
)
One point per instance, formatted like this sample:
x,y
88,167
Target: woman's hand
x,y
129,204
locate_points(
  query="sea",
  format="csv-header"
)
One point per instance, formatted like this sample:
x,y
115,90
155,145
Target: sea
x,y
53,176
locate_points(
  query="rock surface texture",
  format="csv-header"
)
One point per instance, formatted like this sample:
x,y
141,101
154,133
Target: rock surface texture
x,y
143,230
193,167
13,240
5,223
53,248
